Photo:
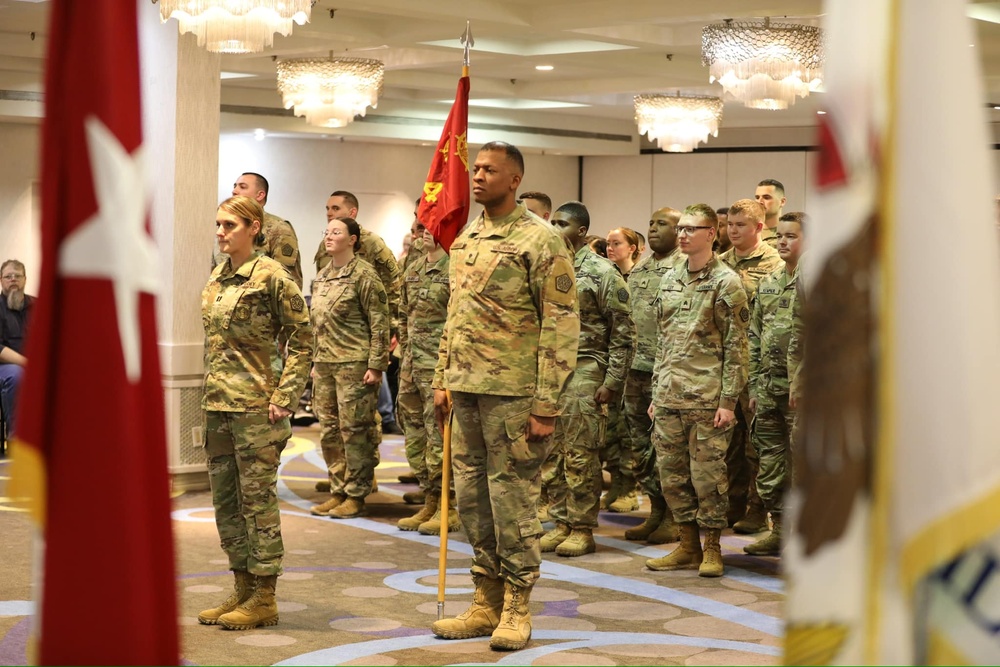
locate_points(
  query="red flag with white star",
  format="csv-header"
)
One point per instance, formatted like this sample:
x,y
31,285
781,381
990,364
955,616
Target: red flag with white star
x,y
444,203
90,447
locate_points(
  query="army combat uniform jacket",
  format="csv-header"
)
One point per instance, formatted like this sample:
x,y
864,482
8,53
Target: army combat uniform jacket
x,y
424,310
244,311
280,244
607,332
752,269
350,315
644,288
701,361
374,251
771,325
512,328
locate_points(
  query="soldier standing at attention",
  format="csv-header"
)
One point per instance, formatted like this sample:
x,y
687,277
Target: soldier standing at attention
x,y
771,195
350,316
280,242
509,346
607,342
752,260
249,303
771,325
423,311
644,288
700,370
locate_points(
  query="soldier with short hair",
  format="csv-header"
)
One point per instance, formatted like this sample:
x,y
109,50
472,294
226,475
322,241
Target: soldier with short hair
x,y
771,324
509,346
607,342
249,303
770,194
701,368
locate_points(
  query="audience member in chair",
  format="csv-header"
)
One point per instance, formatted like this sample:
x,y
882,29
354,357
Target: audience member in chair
x,y
15,311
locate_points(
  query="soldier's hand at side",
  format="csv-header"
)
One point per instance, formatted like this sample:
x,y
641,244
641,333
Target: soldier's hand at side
x,y
540,428
603,395
650,411
793,402
276,412
372,376
441,408
724,418
752,406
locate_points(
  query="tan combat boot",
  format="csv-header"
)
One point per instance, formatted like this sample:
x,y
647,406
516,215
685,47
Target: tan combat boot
x,y
627,500
665,533
426,513
580,542
687,555
433,525
657,510
350,508
514,629
481,618
755,521
324,508
554,537
242,590
711,566
769,545
258,611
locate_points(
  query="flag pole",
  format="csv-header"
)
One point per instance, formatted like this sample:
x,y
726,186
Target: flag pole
x,y
469,42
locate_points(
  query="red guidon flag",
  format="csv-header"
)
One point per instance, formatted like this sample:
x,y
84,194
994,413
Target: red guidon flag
x,y
444,204
90,448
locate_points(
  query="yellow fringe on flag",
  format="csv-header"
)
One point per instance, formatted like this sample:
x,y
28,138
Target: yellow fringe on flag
x,y
28,479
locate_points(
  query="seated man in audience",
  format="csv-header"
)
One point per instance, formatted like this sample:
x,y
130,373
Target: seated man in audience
x,y
15,312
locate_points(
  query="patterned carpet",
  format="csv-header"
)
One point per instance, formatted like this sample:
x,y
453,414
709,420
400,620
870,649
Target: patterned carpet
x,y
363,592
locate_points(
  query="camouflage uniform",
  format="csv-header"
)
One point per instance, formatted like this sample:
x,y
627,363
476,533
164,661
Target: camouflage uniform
x,y
701,365
741,458
770,332
769,236
607,341
280,244
509,346
350,316
244,312
374,251
644,288
424,308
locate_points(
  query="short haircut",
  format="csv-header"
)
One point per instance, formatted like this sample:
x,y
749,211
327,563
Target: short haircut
x,y
262,183
353,228
631,236
512,152
540,197
705,212
722,211
795,216
749,208
16,263
247,210
778,187
577,212
349,198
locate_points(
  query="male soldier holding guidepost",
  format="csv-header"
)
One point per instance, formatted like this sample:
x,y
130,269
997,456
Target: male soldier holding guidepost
x,y
509,345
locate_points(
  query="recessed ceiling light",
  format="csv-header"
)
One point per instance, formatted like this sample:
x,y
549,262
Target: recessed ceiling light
x,y
821,112
259,134
544,68
235,75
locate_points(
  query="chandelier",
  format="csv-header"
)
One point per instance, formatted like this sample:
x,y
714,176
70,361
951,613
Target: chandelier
x,y
330,92
677,124
763,65
236,26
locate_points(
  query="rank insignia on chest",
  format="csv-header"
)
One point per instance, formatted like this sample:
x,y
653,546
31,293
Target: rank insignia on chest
x,y
507,248
623,295
686,304
784,303
564,283
644,282
470,258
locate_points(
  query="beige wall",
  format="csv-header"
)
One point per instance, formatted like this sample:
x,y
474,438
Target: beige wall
x,y
20,197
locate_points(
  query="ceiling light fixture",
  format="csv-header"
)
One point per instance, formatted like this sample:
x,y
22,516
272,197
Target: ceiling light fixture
x,y
236,26
764,65
678,123
330,92
544,68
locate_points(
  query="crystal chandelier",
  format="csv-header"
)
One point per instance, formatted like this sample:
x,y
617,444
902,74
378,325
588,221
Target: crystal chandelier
x,y
763,65
678,123
330,92
236,26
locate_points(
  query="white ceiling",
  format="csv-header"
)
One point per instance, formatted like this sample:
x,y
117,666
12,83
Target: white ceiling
x,y
603,52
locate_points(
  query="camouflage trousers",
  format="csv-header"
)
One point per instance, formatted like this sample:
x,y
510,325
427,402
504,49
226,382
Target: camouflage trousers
x,y
691,455
575,500
642,456
349,432
772,438
243,451
614,450
742,463
424,446
497,482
